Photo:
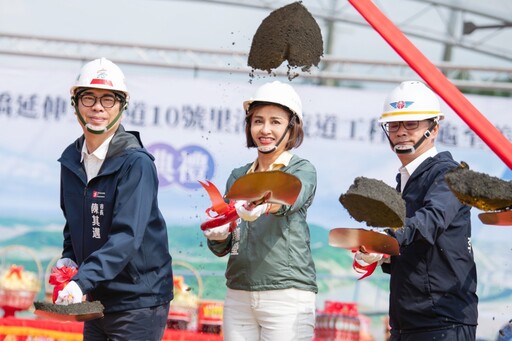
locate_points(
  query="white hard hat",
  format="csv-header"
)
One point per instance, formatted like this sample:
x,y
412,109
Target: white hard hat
x,y
411,101
279,93
101,74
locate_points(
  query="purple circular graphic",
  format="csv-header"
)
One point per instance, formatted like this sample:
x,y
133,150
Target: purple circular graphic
x,y
185,166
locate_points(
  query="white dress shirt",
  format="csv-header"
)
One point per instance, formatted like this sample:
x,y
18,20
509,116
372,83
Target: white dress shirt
x,y
94,161
407,170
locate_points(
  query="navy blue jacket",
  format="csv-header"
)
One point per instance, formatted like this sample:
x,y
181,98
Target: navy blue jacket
x,y
433,280
114,229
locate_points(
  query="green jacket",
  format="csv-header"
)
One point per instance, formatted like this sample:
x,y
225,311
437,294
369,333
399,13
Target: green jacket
x,y
274,251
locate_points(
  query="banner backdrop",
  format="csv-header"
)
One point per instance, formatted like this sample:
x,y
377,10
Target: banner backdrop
x,y
194,128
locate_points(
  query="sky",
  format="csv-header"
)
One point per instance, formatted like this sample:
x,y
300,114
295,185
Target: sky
x,y
201,24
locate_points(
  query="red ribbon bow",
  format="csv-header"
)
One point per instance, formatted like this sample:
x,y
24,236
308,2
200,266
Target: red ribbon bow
x,y
15,270
225,213
60,277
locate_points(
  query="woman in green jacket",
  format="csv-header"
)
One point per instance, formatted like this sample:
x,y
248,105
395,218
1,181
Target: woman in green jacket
x,y
271,276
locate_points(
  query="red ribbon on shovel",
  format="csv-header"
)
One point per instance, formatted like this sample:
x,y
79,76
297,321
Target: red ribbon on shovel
x,y
60,277
366,270
225,213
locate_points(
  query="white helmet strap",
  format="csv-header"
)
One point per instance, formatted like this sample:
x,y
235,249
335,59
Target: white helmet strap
x,y
400,149
88,126
271,149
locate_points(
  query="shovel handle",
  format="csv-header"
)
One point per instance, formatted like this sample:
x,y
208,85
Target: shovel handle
x,y
499,144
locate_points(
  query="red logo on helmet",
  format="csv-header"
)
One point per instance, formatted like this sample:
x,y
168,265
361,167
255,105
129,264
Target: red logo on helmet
x,y
101,81
400,104
102,78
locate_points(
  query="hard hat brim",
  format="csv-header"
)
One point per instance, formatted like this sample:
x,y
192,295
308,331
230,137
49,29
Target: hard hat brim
x,y
409,116
75,88
247,105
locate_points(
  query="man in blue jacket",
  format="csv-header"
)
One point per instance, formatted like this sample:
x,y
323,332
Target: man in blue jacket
x,y
433,280
114,233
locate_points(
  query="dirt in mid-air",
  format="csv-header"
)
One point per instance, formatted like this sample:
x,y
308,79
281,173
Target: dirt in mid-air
x,y
485,192
288,33
375,203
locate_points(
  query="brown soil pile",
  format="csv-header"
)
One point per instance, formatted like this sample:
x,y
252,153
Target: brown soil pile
x,y
485,192
374,202
288,33
71,309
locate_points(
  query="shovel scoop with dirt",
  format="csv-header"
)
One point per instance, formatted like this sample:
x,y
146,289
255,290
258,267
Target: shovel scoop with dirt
x,y
375,203
485,192
378,205
83,311
289,33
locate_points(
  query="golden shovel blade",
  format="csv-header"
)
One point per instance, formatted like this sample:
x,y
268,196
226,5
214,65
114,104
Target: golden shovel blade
x,y
273,187
503,218
355,239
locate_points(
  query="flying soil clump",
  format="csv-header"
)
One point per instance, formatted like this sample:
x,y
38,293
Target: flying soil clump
x,y
485,192
374,202
288,33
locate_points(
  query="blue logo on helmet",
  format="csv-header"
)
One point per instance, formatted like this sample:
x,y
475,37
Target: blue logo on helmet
x,y
401,104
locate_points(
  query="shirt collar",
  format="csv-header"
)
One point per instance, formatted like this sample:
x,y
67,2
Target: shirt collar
x,y
100,152
411,167
282,161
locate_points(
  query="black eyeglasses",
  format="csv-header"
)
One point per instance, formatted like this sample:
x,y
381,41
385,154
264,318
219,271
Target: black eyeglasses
x,y
107,101
393,127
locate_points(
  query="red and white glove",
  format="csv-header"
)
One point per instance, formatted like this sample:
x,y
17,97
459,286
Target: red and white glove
x,y
66,262
366,259
366,263
248,212
70,294
219,233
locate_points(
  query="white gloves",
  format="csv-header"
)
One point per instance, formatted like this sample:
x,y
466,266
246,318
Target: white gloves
x,y
218,233
250,214
70,294
365,259
66,262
